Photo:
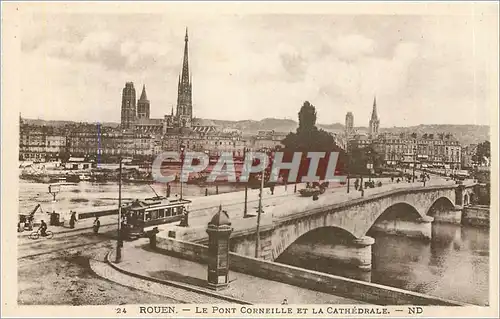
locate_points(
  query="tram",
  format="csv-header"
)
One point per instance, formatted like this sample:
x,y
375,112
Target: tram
x,y
141,216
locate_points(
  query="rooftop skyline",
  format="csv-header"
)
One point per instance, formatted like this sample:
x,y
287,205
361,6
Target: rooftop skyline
x,y
430,69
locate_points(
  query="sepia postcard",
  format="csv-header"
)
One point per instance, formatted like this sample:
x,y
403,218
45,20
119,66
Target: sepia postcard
x,y
250,159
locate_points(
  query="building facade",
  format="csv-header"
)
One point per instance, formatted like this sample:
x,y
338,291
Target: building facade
x,y
426,150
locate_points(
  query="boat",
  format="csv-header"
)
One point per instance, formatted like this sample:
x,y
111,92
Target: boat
x,y
73,178
137,180
84,178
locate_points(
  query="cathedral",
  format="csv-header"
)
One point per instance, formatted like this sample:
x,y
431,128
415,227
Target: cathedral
x,y
135,115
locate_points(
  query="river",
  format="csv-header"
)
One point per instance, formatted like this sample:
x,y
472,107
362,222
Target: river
x,y
86,194
453,265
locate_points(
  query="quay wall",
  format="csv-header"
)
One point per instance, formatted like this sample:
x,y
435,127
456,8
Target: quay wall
x,y
341,286
98,212
476,216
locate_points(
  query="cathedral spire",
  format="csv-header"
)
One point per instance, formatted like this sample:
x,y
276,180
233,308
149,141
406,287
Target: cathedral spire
x,y
374,121
143,94
374,111
184,112
185,62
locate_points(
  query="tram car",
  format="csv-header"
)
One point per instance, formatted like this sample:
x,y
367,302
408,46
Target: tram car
x,y
141,216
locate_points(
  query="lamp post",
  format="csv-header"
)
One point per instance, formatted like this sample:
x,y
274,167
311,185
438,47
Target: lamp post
x,y
245,212
257,243
182,166
119,242
414,161
348,167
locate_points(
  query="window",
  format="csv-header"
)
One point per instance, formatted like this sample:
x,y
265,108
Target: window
x,y
168,212
161,213
154,214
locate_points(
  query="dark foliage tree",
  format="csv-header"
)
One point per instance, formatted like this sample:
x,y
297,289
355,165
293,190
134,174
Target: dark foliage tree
x,y
360,157
483,152
308,138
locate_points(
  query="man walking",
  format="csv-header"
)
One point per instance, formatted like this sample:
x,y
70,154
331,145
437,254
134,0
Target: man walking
x,y
97,225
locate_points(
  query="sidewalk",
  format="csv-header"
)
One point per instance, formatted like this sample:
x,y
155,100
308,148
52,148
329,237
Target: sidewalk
x,y
138,259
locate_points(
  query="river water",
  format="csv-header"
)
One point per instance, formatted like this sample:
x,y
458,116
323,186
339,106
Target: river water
x,y
86,194
454,265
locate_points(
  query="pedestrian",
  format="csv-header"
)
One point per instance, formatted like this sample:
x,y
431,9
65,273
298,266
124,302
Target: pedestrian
x,y
271,188
397,181
392,179
97,225
356,184
72,219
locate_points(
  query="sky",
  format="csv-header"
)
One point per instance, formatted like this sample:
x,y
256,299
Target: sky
x,y
423,69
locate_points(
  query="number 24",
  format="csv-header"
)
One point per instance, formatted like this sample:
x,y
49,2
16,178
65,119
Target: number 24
x,y
121,310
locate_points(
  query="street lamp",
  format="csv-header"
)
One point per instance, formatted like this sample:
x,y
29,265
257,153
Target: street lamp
x,y
414,161
257,243
182,165
245,212
348,167
119,242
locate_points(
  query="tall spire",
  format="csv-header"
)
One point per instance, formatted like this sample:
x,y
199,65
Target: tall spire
x,y
184,100
143,94
374,111
185,62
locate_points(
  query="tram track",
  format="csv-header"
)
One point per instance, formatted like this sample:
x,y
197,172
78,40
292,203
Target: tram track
x,y
46,252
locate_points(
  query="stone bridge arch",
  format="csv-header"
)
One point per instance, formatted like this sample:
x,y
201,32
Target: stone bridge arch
x,y
444,209
355,217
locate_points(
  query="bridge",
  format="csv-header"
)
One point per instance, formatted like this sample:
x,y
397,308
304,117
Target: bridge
x,y
406,209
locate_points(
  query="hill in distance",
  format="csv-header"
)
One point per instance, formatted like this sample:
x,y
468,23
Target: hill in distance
x,y
465,134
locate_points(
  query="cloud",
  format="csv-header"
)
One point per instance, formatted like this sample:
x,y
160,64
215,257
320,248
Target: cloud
x,y
266,66
353,46
110,51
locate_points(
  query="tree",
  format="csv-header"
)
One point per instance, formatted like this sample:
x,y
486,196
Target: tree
x,y
360,157
308,138
64,156
483,152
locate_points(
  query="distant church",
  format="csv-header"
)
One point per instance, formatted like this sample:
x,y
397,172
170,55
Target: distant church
x,y
373,125
374,121
136,116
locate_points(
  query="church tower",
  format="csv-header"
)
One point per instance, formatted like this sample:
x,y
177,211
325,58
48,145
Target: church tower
x,y
143,105
129,111
184,102
349,124
374,121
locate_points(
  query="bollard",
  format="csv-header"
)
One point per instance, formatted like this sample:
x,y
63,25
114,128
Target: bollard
x,y
206,191
295,188
217,189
